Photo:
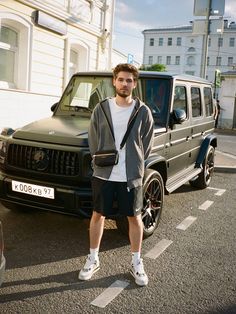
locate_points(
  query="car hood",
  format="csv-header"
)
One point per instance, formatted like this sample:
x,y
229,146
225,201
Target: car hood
x,y
72,130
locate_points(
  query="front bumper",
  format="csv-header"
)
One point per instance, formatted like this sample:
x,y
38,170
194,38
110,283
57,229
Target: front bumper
x,y
68,199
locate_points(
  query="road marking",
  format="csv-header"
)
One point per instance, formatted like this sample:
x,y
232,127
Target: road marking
x,y
186,223
219,191
205,205
110,293
159,248
227,155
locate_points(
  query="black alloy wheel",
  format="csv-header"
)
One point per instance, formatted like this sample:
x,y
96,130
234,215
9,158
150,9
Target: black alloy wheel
x,y
204,178
153,195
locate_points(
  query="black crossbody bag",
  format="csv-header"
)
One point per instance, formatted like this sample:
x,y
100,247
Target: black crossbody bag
x,y
105,158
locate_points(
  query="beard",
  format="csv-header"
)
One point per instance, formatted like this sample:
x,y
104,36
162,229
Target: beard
x,y
123,93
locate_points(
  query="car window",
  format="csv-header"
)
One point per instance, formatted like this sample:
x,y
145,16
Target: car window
x,y
196,101
86,92
208,101
156,94
180,98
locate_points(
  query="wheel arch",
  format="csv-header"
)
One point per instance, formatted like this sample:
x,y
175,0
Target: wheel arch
x,y
210,140
157,163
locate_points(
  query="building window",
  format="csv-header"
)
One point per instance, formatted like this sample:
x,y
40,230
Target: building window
x,y
220,42
209,42
190,72
168,60
191,49
208,60
160,42
77,58
177,60
151,42
15,36
74,62
8,55
159,59
190,60
178,41
230,61
169,42
150,60
232,42
218,60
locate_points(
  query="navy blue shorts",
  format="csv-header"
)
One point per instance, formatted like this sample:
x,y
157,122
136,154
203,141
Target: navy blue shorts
x,y
113,198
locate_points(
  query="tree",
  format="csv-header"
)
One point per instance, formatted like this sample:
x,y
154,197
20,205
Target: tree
x,y
154,67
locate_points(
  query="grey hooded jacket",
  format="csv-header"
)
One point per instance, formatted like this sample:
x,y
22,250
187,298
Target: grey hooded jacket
x,y
138,144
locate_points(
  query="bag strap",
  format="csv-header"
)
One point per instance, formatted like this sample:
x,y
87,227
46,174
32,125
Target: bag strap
x,y
130,125
109,124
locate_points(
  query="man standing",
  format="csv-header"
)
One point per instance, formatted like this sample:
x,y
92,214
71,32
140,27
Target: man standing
x,y
218,108
121,182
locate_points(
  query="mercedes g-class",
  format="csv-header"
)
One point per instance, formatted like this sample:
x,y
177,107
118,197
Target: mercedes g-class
x,y
47,164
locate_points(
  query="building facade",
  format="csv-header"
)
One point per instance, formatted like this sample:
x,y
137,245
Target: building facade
x,y
42,43
182,51
227,97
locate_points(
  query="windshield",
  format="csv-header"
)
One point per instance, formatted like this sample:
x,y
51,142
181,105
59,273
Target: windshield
x,y
84,92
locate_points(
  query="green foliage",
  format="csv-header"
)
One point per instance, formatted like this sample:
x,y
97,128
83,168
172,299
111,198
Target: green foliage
x,y
154,67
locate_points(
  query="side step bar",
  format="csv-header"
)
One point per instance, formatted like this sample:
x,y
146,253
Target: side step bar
x,y
181,178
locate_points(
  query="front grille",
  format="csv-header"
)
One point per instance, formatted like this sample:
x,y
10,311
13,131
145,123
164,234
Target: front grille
x,y
44,160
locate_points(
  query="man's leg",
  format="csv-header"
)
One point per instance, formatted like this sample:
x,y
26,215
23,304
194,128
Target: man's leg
x,y
96,230
135,233
136,237
95,234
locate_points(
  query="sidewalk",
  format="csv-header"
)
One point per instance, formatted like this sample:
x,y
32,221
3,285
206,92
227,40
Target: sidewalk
x,y
225,162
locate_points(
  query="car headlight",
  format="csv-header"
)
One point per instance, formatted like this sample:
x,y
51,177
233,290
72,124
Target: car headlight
x,y
7,131
3,150
3,146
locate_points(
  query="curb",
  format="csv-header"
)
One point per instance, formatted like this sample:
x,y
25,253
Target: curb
x,y
226,169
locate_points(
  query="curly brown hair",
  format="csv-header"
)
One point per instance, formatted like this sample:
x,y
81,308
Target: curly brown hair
x,y
126,67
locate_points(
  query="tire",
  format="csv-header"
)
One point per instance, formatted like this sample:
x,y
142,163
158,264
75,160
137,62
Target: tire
x,y
153,194
204,178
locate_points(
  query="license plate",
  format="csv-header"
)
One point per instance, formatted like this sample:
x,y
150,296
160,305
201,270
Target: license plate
x,y
32,189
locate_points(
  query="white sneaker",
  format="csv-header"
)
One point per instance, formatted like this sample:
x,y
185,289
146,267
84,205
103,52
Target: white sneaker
x,y
90,267
137,271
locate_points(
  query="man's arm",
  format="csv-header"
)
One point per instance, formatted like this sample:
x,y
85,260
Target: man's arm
x,y
147,133
93,133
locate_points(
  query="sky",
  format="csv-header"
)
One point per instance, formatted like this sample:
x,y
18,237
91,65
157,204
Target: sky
x,y
134,16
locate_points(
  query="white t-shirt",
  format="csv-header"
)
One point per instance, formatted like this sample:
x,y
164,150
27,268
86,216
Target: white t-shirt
x,y
120,117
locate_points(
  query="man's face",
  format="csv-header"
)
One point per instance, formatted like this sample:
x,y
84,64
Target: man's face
x,y
124,84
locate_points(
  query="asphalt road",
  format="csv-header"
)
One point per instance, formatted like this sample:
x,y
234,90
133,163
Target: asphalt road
x,y
194,273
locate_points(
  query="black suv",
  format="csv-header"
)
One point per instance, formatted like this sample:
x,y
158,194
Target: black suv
x,y
47,163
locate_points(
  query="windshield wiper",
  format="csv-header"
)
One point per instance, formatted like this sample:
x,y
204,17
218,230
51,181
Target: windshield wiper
x,y
79,108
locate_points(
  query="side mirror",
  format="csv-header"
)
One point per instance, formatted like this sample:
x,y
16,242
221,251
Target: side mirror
x,y
178,116
53,107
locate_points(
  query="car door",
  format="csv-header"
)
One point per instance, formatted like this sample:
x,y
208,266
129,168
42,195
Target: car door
x,y
180,135
201,117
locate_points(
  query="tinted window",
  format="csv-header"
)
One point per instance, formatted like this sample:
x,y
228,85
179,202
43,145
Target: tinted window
x,y
180,98
208,101
156,94
196,101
